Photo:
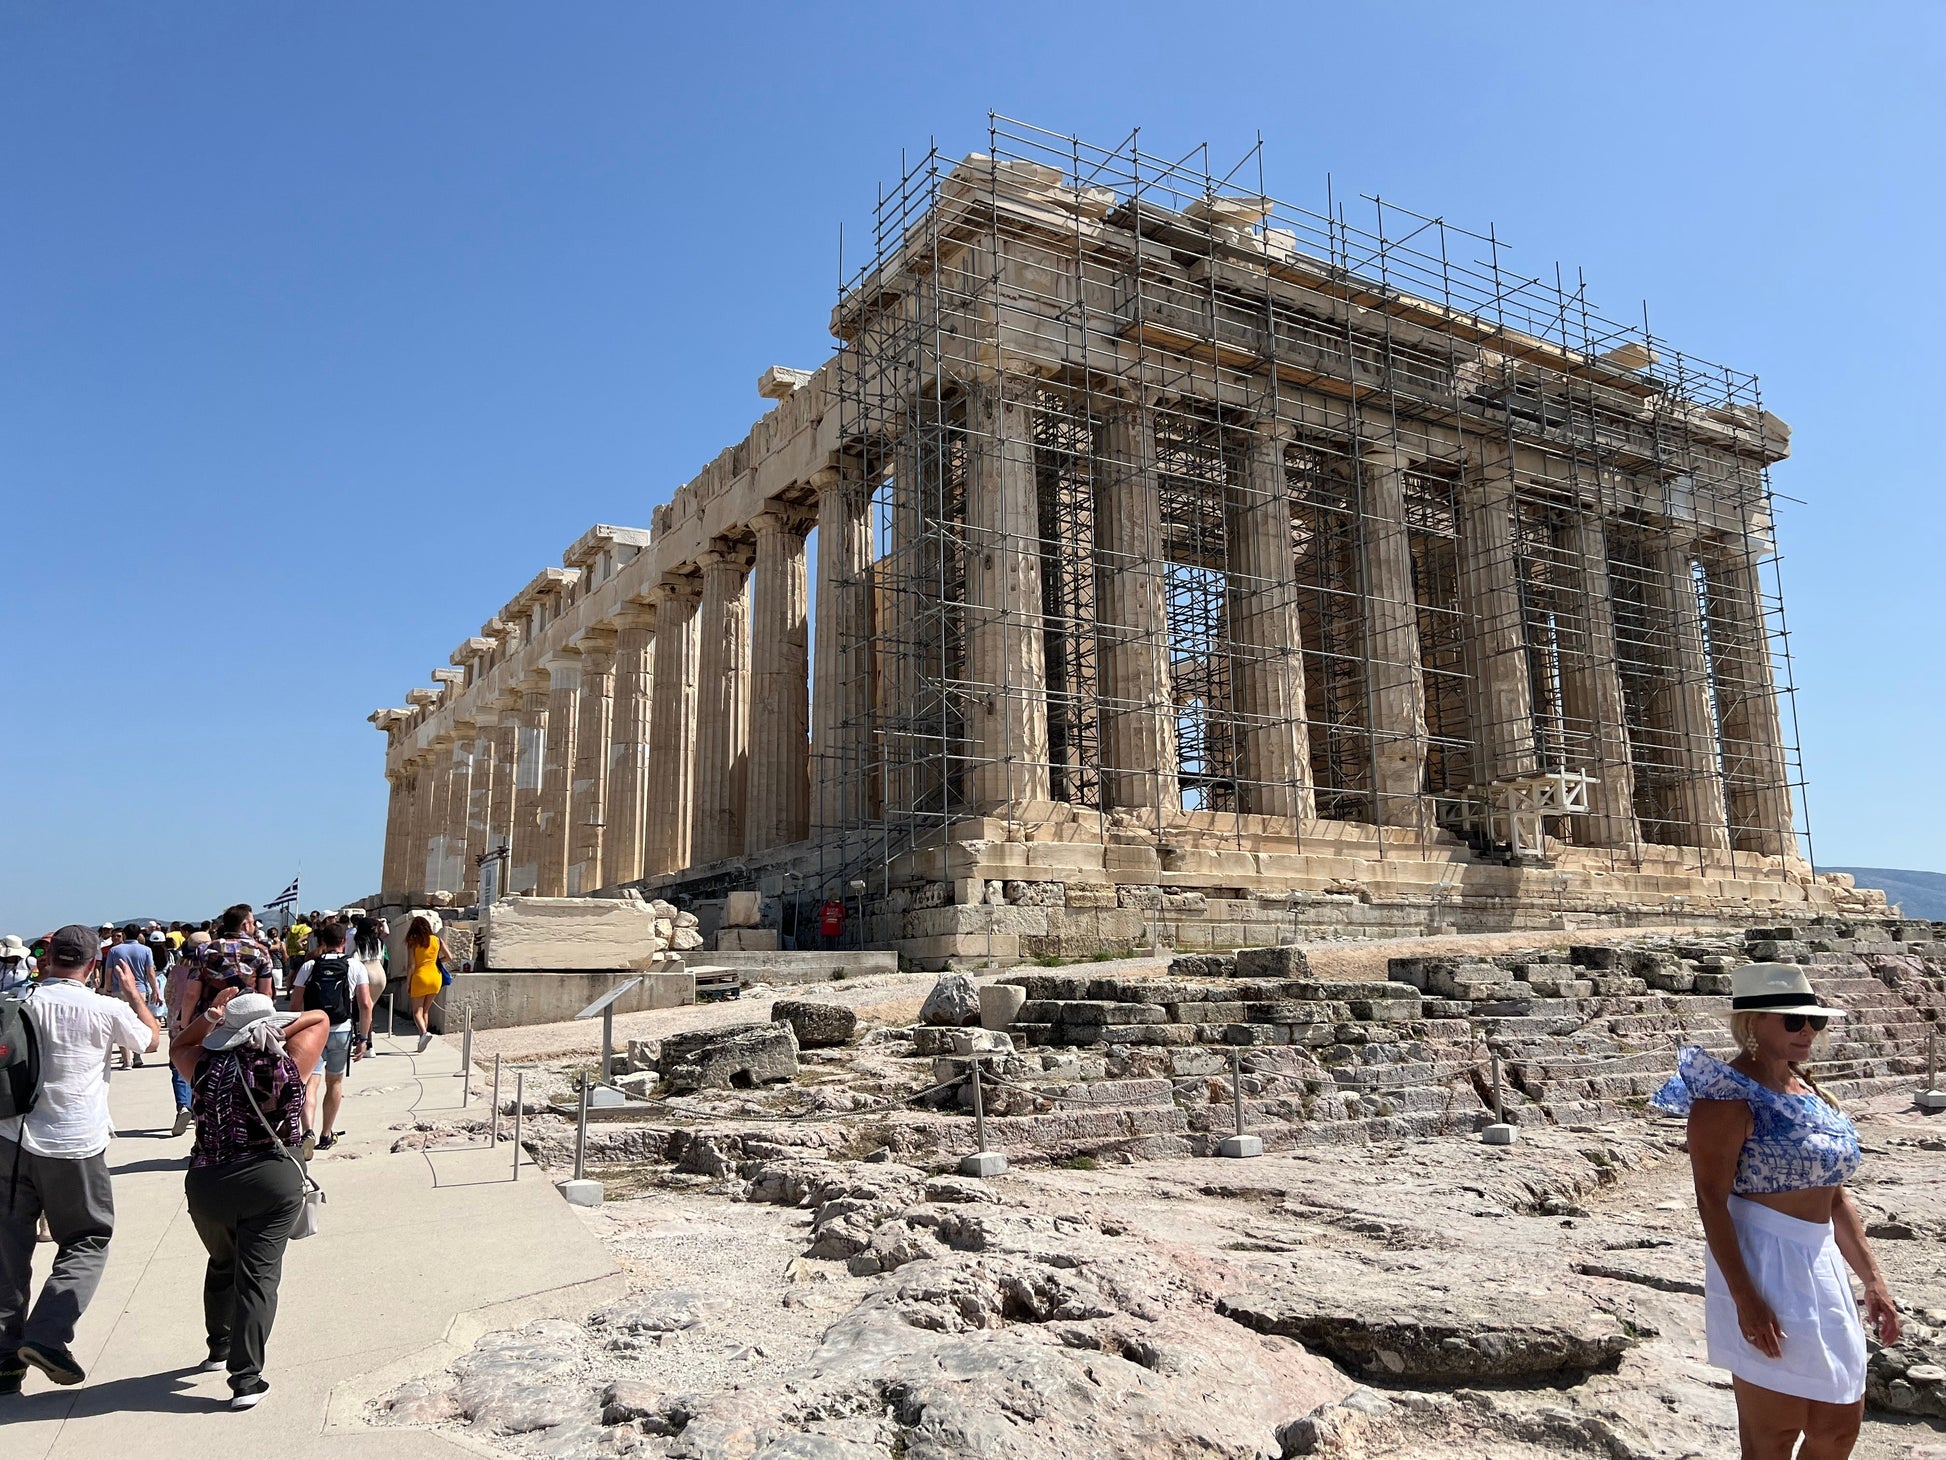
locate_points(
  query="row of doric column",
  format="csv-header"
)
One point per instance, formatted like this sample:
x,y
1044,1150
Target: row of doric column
x,y
671,731
624,719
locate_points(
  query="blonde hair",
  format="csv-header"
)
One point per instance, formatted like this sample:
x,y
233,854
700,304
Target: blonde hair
x,y
1743,1029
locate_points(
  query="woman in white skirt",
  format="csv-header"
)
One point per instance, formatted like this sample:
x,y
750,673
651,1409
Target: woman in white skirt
x,y
1771,1155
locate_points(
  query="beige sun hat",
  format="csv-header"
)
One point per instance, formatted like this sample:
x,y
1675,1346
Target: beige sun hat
x,y
240,1015
1775,988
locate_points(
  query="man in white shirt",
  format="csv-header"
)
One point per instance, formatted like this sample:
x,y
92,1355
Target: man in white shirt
x,y
342,988
53,1161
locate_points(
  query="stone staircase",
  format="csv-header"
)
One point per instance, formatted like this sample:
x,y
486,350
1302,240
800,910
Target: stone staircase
x,y
1142,1065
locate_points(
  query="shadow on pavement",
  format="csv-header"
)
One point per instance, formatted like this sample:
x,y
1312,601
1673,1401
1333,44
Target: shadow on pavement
x,y
156,1163
164,1393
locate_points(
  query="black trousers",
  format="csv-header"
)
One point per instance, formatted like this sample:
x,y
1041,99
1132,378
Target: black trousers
x,y
243,1212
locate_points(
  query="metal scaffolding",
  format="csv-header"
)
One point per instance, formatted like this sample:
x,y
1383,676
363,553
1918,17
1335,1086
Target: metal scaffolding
x,y
1529,551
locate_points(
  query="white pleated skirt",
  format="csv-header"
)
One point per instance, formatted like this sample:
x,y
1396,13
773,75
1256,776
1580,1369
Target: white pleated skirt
x,y
1800,1273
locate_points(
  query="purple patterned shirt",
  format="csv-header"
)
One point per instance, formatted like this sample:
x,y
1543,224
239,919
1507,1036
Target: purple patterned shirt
x,y
228,963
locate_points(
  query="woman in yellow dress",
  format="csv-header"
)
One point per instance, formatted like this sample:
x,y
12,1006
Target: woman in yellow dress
x,y
424,980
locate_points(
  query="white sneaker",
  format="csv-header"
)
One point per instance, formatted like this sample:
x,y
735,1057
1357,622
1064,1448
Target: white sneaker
x,y
425,1042
183,1121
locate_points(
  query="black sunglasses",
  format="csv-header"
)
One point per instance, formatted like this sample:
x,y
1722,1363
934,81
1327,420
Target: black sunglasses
x,y
1794,1023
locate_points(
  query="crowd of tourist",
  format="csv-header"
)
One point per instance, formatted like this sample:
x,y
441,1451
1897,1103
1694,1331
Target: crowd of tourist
x,y
260,1088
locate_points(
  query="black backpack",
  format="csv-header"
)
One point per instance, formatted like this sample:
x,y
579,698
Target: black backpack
x,y
20,1058
329,988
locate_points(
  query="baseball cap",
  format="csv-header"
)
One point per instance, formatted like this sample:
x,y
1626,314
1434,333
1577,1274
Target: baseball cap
x,y
74,946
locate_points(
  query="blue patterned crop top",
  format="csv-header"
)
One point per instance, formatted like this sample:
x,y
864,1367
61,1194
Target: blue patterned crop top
x,y
1795,1142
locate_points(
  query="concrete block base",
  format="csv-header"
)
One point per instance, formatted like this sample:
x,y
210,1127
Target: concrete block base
x,y
1500,1135
1931,1099
1241,1146
582,1193
983,1164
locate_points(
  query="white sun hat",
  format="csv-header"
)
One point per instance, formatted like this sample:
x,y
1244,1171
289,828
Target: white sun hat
x,y
1775,988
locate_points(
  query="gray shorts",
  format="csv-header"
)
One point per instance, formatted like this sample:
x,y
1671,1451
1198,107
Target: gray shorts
x,y
337,1052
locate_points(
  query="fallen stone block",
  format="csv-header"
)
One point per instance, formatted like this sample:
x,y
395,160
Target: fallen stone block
x,y
817,1026
954,1000
733,1059
1597,956
584,933
1281,962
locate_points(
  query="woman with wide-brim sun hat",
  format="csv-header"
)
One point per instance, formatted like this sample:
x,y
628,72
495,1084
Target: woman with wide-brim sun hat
x,y
1771,1154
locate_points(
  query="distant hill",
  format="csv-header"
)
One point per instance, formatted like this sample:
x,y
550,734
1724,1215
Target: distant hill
x,y
1918,894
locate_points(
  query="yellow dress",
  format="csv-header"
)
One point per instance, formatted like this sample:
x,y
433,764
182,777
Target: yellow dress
x,y
425,970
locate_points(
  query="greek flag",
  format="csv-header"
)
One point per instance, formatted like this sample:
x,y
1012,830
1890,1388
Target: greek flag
x,y
286,898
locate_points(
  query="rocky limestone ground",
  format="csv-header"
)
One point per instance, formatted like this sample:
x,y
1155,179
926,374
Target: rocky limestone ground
x,y
1427,1298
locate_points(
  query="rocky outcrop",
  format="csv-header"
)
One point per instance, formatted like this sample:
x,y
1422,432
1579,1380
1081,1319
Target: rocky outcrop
x,y
1457,1323
1911,1378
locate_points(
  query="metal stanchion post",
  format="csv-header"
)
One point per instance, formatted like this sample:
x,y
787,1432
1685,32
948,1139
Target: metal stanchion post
x,y
982,1162
1932,1097
466,1060
493,1125
1238,1145
520,1104
581,1134
581,1191
1499,1133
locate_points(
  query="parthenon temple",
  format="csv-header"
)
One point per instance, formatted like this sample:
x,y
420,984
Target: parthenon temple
x,y
1188,569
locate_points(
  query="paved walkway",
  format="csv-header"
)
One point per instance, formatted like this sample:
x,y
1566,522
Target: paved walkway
x,y
419,1254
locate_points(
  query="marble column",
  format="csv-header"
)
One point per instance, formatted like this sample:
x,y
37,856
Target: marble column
x,y
1267,675
398,826
412,866
589,799
1496,646
672,728
1696,808
459,797
780,773
1006,711
479,802
557,775
1756,771
436,798
523,875
1396,687
1138,718
722,704
506,756
1591,692
623,841
841,731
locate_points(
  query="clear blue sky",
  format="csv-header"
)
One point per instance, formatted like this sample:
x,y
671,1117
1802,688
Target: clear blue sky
x,y
323,327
